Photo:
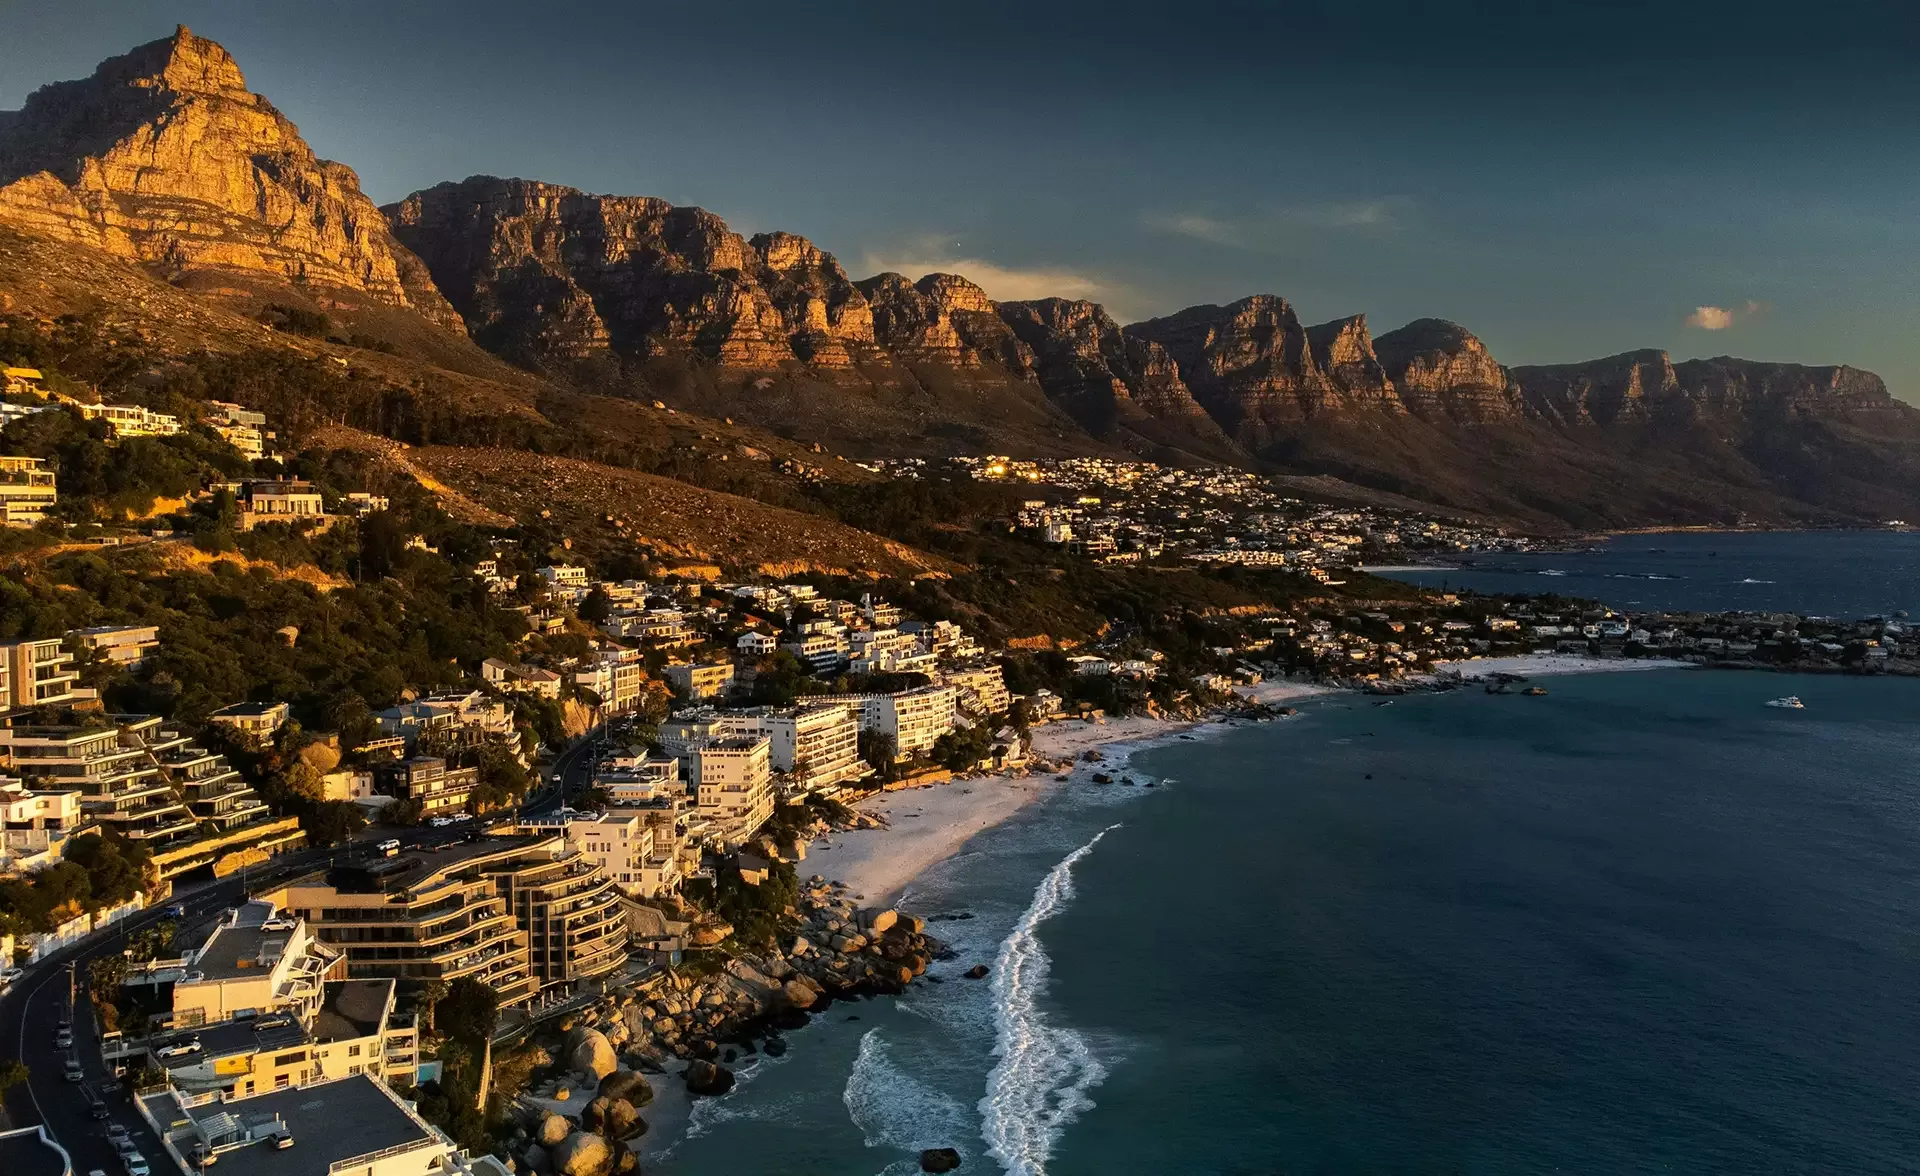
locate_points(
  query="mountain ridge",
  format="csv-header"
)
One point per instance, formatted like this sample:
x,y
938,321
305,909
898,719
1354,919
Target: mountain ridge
x,y
164,159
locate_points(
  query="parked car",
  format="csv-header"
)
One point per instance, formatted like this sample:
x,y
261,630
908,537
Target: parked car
x,y
126,1147
179,1049
136,1165
389,847
439,822
175,911
9,975
279,924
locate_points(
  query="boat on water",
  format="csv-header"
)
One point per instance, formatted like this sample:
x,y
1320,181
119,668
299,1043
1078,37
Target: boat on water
x,y
1535,692
1790,702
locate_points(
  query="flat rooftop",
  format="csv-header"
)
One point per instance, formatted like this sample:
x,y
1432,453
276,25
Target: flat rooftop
x,y
229,1038
233,952
24,1153
329,1122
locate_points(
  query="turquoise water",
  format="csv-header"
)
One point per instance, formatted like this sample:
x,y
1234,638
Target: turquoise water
x,y
1644,924
1823,573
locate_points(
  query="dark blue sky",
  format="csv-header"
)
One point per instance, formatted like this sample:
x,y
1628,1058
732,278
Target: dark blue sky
x,y
1567,180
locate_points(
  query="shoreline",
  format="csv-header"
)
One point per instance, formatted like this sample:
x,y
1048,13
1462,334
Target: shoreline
x,y
1549,664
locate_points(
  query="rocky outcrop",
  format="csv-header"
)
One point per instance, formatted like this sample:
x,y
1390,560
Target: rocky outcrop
x,y
543,271
1343,350
942,319
1249,364
1442,372
939,1159
828,320
164,157
1111,382
1636,387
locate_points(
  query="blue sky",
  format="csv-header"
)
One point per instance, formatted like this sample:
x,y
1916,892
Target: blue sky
x,y
1567,180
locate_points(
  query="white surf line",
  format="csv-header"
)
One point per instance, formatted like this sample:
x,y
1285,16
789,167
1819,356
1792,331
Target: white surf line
x,y
1041,1081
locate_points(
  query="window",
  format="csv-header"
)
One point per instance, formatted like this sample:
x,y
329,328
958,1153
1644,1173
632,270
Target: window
x,y
280,1082
353,1051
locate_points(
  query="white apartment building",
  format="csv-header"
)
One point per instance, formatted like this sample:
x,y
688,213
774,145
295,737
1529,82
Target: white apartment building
x,y
913,719
27,491
123,645
620,843
821,651
817,745
732,784
757,644
700,681
129,420
35,825
981,689
37,672
617,678
882,651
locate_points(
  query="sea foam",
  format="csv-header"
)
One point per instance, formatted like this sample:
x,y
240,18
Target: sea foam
x,y
892,1108
1040,1083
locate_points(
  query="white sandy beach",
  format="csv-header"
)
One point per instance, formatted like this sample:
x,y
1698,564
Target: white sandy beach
x,y
927,825
1544,664
1279,693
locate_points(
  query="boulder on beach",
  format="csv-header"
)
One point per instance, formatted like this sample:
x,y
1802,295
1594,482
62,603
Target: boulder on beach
x,y
704,1077
800,993
627,1085
977,972
589,1052
583,1154
939,1159
880,922
552,1130
614,1118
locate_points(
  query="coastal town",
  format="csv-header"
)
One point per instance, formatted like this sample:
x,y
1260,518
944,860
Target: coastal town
x,y
564,877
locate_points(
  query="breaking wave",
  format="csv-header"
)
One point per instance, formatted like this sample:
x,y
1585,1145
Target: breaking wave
x,y
1040,1083
892,1108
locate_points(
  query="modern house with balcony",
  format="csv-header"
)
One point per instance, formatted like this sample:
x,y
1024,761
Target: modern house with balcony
x,y
107,761
35,825
27,491
38,673
420,915
255,963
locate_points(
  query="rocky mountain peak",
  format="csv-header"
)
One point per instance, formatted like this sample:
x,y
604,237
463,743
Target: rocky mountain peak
x,y
163,157
183,63
1442,370
1343,349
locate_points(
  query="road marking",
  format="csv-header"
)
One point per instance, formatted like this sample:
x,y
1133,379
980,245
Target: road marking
x,y
26,1014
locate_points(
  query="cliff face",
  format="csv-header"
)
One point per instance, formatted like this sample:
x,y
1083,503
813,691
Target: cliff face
x,y
1443,372
1116,385
163,157
1639,387
1249,364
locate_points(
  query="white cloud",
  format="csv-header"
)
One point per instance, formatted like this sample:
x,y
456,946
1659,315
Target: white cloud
x,y
1269,227
1002,283
1710,318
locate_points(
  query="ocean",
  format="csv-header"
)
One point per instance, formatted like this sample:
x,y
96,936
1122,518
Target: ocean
x,y
1643,924
1822,573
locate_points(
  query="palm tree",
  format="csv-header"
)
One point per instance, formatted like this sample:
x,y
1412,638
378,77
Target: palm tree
x,y
432,992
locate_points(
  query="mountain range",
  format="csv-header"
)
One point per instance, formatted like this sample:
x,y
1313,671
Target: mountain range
x,y
557,304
